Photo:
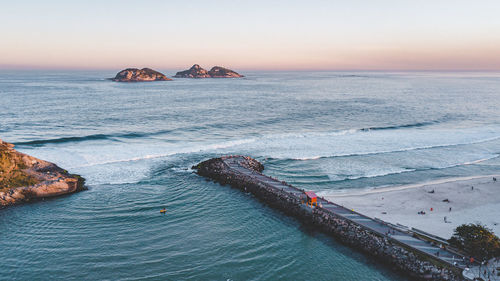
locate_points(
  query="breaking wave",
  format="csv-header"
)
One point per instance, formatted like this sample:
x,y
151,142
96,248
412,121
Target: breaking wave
x,y
116,137
408,170
80,139
394,151
403,126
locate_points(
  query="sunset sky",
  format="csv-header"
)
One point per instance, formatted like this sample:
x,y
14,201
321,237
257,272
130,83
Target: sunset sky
x,y
267,35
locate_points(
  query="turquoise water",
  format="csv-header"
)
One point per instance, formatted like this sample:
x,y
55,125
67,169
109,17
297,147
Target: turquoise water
x,y
135,144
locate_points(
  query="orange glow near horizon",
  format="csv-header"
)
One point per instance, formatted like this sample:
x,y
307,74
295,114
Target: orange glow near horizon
x,y
395,58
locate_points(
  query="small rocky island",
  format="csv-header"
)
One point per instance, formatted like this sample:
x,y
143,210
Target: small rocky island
x,y
140,75
221,72
215,72
25,178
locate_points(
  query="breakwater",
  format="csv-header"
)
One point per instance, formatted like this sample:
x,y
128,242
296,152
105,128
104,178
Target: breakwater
x,y
410,255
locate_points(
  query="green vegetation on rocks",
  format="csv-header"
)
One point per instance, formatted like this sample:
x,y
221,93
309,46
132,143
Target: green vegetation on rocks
x,y
12,167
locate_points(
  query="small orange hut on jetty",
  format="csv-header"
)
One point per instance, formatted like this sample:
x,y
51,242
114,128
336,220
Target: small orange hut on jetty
x,y
312,198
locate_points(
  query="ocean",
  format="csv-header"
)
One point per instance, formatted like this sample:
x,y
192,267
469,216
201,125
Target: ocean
x,y
135,143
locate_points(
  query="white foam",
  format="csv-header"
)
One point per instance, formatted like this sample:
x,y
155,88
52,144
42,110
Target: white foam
x,y
355,142
321,146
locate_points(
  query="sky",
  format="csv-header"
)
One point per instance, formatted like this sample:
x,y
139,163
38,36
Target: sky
x,y
251,35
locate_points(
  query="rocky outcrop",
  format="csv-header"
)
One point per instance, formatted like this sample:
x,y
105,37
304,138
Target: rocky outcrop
x,y
195,71
383,249
140,75
221,72
216,72
24,178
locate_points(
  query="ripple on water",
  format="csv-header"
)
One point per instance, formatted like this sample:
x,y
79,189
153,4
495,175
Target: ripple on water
x,y
209,232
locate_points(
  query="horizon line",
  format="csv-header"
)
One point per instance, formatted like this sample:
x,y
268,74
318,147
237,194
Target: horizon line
x,y
292,69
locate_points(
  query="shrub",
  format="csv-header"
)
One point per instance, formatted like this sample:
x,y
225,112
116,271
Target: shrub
x,y
477,240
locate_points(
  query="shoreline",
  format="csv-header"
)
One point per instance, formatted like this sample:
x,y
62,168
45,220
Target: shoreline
x,y
454,201
383,189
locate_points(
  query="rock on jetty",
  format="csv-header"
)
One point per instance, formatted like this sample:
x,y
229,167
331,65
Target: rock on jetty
x,y
139,75
385,250
24,178
197,71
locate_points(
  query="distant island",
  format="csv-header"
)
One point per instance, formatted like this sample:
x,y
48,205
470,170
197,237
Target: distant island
x,y
24,178
140,75
215,72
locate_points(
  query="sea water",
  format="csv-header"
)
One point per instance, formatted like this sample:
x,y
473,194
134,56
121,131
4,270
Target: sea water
x,y
135,144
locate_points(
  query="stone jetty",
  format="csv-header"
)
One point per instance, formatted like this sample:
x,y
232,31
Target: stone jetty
x,y
403,251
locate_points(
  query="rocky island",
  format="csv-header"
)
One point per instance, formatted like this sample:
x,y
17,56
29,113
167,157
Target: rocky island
x,y
139,75
215,72
221,72
25,178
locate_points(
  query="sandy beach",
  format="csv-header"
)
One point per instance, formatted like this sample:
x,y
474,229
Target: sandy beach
x,y
460,200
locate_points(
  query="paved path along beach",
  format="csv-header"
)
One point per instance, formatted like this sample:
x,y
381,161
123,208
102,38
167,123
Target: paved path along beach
x,y
380,227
